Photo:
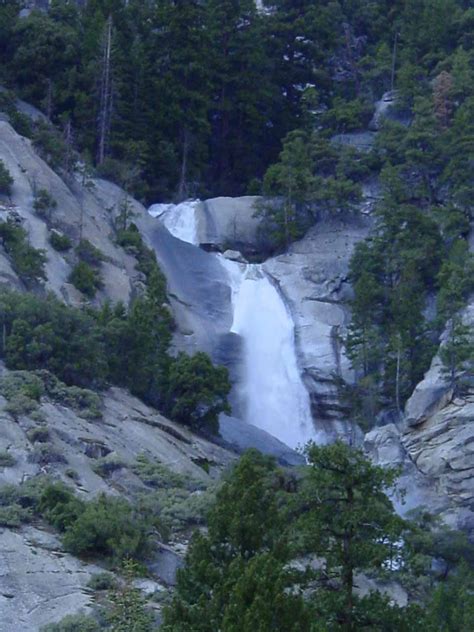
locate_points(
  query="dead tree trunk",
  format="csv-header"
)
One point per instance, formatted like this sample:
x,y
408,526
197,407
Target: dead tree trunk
x,y
105,105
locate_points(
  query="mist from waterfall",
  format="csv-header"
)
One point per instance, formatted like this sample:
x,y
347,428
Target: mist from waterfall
x,y
271,391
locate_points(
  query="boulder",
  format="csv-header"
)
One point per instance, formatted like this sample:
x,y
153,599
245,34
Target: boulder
x,y
429,396
234,255
230,223
385,109
241,436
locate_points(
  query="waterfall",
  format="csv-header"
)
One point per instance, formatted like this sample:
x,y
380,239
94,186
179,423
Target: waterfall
x,y
273,394
179,219
271,391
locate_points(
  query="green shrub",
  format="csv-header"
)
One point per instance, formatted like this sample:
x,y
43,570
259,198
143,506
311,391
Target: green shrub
x,y
14,516
21,383
45,453
6,180
85,279
197,392
102,581
155,474
72,474
27,261
50,145
178,501
44,203
178,509
84,402
105,466
20,123
38,435
73,623
21,405
88,253
46,334
6,459
26,495
107,527
17,503
23,390
129,238
60,242
58,505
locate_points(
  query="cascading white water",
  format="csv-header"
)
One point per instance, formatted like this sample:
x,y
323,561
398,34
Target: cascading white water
x,y
272,393
179,219
275,398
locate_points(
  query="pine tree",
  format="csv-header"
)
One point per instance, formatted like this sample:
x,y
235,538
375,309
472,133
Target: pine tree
x,y
348,521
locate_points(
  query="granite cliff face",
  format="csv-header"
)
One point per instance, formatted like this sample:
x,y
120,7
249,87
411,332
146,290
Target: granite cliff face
x,y
433,443
311,279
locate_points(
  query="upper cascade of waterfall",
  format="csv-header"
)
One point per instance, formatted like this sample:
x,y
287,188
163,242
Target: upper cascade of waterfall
x,y
179,219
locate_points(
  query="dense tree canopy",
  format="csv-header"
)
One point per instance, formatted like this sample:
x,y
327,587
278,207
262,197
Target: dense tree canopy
x,y
197,97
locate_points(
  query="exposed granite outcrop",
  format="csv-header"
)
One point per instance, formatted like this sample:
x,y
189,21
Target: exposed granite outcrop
x,y
97,204
39,581
434,444
312,277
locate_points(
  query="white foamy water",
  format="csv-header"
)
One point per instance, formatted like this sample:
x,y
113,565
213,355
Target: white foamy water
x,y
179,219
272,392
274,396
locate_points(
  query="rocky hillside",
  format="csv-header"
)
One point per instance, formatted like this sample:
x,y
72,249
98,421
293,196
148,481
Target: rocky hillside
x,y
39,581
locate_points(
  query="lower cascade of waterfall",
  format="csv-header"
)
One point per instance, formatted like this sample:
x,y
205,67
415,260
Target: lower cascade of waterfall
x,y
273,394
271,391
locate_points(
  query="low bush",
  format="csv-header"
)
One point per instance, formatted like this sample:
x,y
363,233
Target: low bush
x,y
27,261
60,242
84,402
130,238
105,466
107,527
178,509
17,503
90,254
58,505
45,453
6,180
44,203
6,459
73,623
38,435
14,516
86,279
177,501
22,390
21,383
102,581
156,474
21,405
72,474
